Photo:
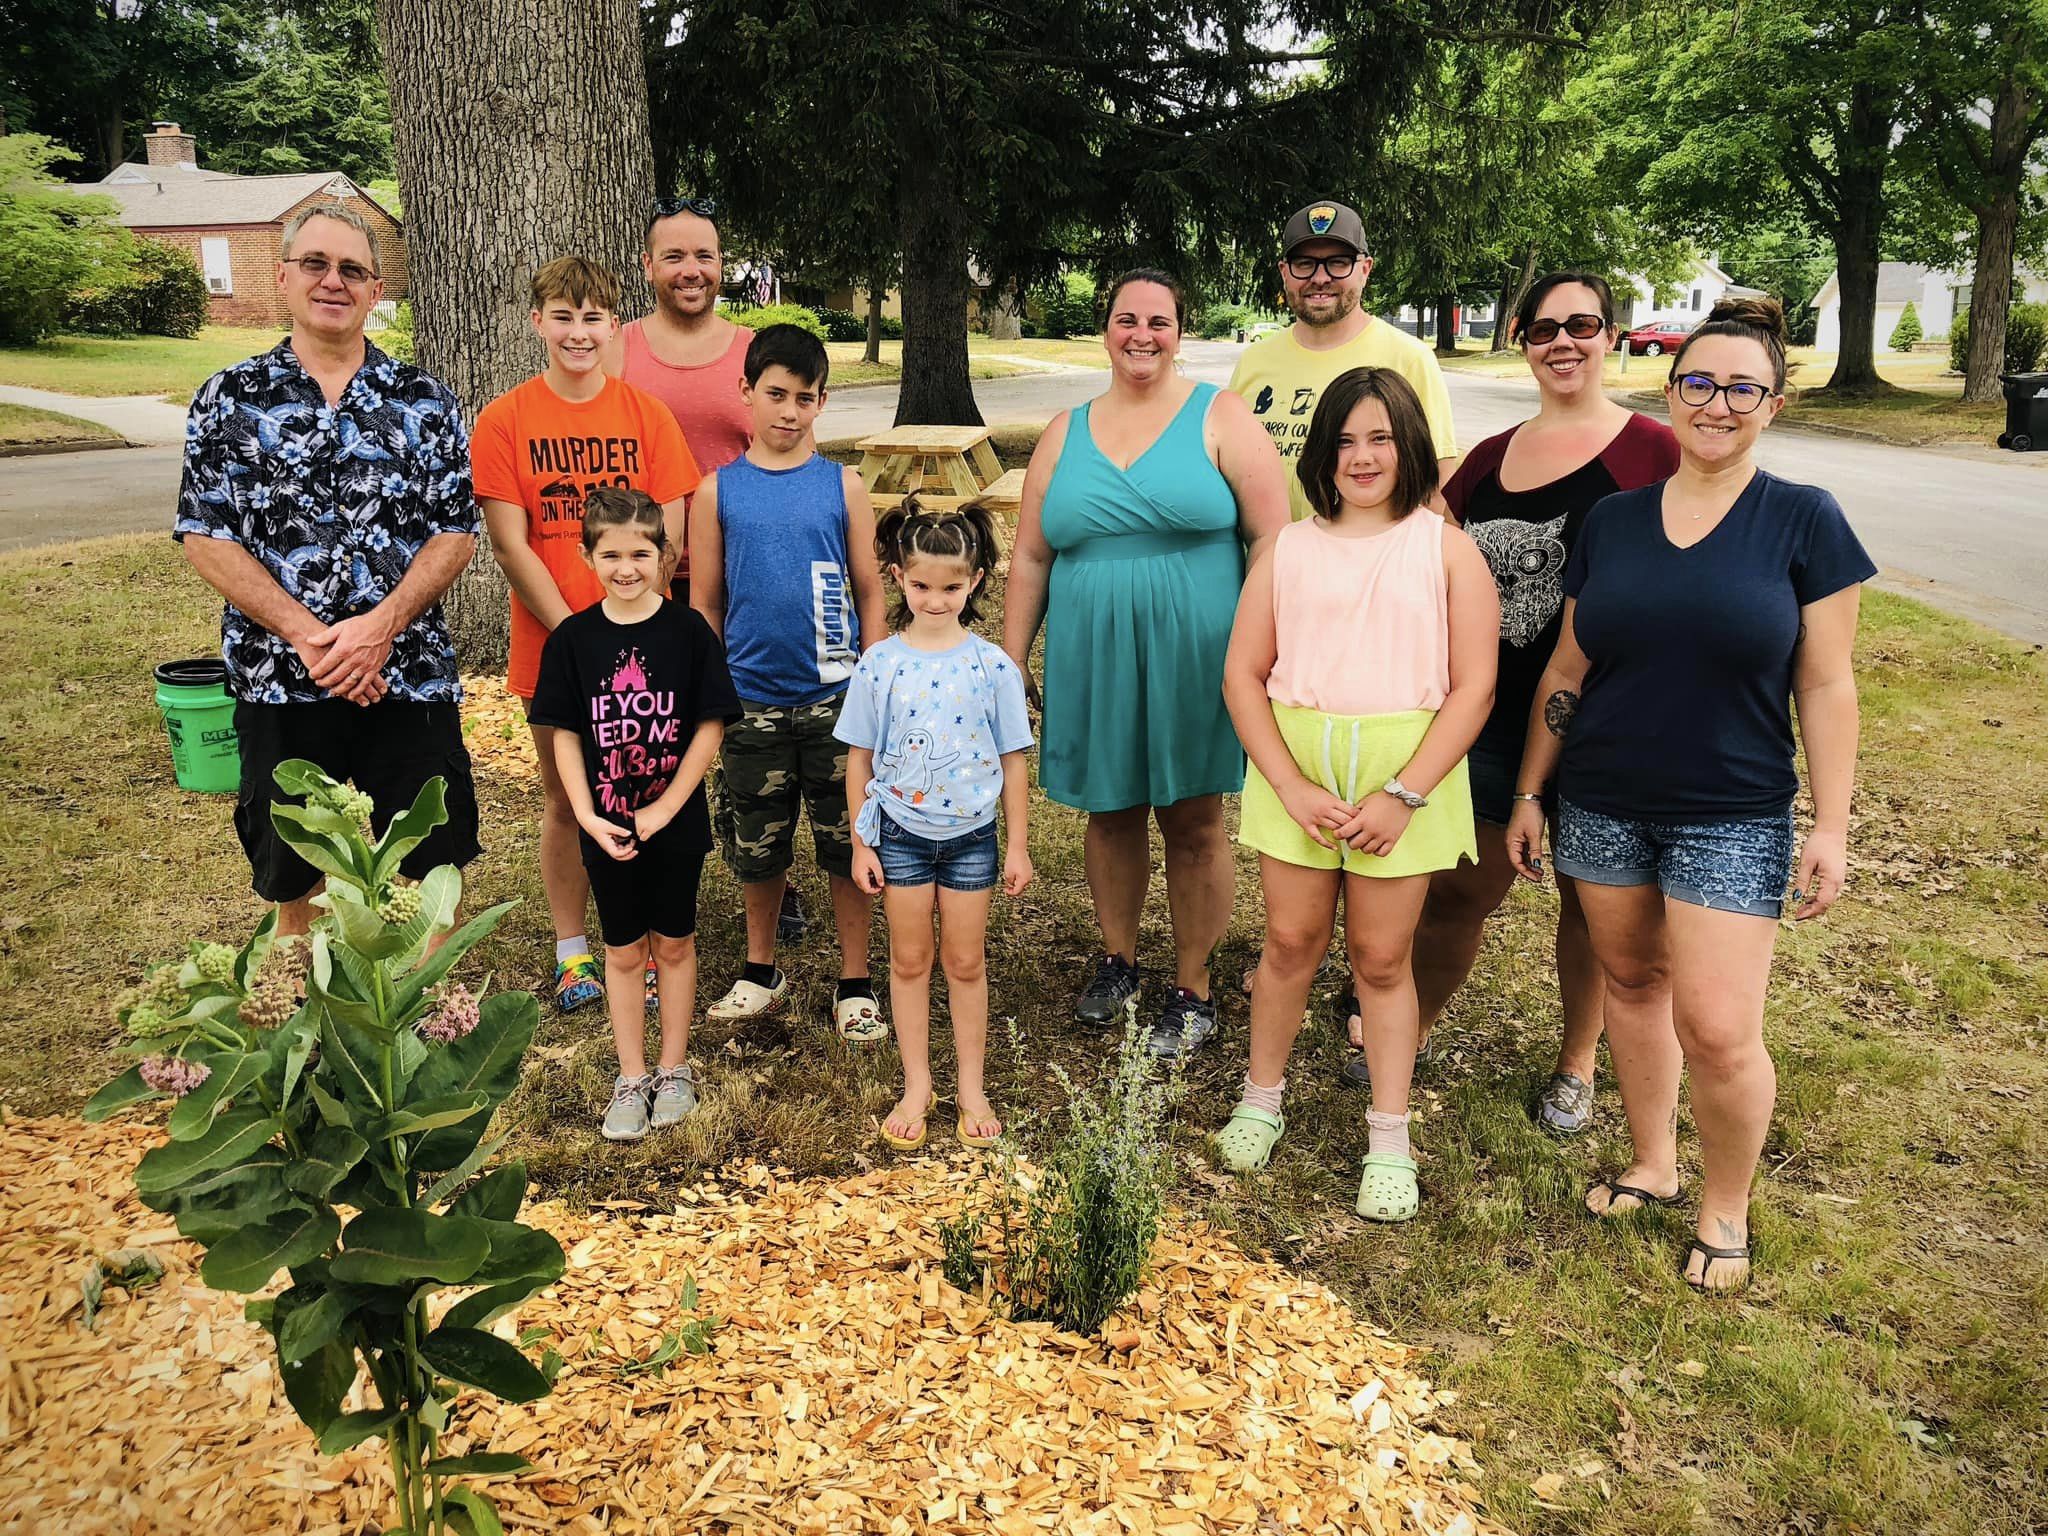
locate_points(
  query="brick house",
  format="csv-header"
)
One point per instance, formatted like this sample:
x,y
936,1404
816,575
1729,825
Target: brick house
x,y
232,225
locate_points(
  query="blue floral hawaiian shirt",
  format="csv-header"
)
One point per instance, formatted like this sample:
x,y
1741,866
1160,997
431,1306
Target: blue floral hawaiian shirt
x,y
334,500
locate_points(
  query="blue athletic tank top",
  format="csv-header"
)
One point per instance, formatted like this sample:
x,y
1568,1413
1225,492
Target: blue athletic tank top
x,y
792,635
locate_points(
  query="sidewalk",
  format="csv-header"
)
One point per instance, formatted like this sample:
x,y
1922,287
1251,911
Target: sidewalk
x,y
144,419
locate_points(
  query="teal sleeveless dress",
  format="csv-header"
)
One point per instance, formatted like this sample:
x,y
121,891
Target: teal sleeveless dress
x,y
1145,575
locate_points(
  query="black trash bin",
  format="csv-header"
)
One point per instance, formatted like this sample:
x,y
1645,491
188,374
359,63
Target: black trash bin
x,y
2026,412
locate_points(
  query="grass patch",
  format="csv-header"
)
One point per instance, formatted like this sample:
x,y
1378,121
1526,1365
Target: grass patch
x,y
132,365
24,425
1884,1374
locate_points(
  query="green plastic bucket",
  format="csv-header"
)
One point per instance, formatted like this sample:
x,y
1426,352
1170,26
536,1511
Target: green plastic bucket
x,y
200,720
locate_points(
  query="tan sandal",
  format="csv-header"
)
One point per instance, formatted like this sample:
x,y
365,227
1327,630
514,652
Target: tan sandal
x,y
924,1129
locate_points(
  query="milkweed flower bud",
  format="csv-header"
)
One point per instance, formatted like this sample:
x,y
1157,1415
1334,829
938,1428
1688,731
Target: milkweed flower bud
x,y
173,1074
216,962
401,903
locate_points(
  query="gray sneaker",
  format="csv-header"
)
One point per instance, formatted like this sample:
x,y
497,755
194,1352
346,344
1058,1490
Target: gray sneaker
x,y
1185,1022
626,1119
675,1095
1566,1106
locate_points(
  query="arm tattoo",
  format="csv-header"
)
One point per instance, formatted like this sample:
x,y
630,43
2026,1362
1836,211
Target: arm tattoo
x,y
1558,710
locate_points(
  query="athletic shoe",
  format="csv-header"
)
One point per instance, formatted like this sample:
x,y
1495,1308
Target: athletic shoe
x,y
675,1095
1566,1106
790,923
1112,994
626,1118
1185,1022
579,982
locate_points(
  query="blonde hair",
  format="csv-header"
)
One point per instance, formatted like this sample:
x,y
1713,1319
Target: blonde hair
x,y
579,280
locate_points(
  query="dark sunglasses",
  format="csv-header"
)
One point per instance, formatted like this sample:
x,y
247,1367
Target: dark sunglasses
x,y
669,207
1578,327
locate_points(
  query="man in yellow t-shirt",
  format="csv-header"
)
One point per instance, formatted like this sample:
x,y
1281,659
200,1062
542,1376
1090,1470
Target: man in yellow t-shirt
x,y
1324,267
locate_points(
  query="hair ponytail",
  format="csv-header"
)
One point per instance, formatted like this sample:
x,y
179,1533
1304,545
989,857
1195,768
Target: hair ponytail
x,y
966,534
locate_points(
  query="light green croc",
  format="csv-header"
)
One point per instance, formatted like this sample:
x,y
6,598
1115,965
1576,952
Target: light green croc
x,y
1388,1192
1246,1142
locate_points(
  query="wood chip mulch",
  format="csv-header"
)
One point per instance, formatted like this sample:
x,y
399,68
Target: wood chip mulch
x,y
494,728
848,1389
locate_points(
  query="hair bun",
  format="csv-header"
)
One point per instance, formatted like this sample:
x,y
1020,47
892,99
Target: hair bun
x,y
1759,310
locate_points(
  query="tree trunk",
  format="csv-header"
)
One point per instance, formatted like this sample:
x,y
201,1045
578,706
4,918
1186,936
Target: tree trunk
x,y
1511,293
936,389
1997,224
1865,150
529,123
1447,324
876,288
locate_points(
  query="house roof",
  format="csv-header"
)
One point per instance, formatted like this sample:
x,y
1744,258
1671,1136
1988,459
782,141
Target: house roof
x,y
181,196
1898,282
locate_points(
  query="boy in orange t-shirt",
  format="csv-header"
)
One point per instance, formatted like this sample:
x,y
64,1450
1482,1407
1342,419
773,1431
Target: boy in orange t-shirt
x,y
535,451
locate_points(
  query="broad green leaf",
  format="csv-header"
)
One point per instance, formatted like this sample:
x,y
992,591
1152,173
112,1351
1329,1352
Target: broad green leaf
x,y
390,1245
479,1464
518,1252
297,1039
440,1189
485,1361
329,1153
230,1075
218,1214
325,851
414,984
351,1057
485,1059
427,1115
234,1136
409,828
363,931
486,1306
262,1169
352,1429
334,1001
317,1384
471,1514
440,896
300,776
332,1110
312,1325
249,959
496,1196
245,1260
128,1088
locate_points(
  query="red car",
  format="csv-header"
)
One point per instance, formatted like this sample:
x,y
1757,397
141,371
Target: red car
x,y
1657,338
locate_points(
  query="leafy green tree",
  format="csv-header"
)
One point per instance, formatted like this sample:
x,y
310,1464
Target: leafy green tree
x,y
1907,331
53,241
300,99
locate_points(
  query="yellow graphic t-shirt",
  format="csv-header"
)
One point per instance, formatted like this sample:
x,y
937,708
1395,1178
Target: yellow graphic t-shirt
x,y
1281,381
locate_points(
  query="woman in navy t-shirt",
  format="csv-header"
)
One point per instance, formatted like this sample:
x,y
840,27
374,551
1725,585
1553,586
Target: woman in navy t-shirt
x,y
1694,612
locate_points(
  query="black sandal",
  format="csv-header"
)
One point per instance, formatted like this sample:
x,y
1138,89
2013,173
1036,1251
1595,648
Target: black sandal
x,y
1643,1198
1708,1254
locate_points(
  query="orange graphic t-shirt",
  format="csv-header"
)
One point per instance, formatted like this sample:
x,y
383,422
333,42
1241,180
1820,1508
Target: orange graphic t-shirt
x,y
536,450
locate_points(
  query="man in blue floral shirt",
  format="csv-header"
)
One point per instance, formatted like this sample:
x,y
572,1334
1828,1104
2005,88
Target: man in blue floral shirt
x,y
327,497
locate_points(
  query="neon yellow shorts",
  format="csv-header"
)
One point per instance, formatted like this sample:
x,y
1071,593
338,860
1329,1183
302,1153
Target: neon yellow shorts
x,y
1352,756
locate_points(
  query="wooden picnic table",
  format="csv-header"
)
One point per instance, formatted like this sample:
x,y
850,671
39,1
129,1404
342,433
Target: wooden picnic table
x,y
944,465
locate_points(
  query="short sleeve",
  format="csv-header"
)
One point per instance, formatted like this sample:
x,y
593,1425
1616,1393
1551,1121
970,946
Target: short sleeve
x,y
1436,404
717,699
1012,713
493,467
1581,560
1477,465
557,701
1831,557
448,497
672,471
860,717
206,498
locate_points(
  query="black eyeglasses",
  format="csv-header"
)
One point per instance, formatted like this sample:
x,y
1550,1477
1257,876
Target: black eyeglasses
x,y
354,273
1579,327
669,207
1339,266
1698,391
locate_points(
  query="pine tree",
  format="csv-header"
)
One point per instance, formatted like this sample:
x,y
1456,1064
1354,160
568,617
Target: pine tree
x,y
1907,331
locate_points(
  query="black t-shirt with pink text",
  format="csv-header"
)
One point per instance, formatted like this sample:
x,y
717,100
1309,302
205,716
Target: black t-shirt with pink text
x,y
636,694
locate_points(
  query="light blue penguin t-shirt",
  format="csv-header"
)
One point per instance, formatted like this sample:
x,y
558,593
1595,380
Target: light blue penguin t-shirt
x,y
938,723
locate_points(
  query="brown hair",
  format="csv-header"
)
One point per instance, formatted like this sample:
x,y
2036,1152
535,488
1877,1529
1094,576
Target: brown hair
x,y
613,506
1165,280
1415,467
1525,312
579,280
966,534
1758,318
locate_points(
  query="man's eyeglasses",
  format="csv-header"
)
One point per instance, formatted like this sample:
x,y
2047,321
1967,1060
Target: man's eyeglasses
x,y
1580,327
354,273
669,207
1338,266
1698,391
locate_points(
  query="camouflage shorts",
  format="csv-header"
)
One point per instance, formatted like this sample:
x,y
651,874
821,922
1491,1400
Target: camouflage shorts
x,y
776,761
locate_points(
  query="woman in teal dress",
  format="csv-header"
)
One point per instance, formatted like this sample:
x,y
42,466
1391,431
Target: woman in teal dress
x,y
1130,550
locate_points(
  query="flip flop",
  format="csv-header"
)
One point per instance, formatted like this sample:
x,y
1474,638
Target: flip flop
x,y
859,1021
1388,1189
1645,1200
960,1129
924,1129
1246,1142
1708,1254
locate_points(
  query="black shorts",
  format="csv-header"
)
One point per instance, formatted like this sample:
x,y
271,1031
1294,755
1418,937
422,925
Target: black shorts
x,y
388,750
653,892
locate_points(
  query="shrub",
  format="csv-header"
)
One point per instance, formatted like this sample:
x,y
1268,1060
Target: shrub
x,y
53,241
843,324
1220,322
759,316
162,293
397,337
2026,337
344,1071
892,328
1907,332
1067,308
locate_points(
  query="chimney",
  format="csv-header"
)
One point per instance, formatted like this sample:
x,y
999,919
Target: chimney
x,y
169,146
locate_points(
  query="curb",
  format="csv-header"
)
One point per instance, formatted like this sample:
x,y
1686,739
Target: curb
x,y
66,445
1828,428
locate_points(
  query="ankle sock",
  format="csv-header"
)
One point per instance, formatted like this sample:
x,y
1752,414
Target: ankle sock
x,y
1386,1133
855,986
1267,1099
759,975
568,949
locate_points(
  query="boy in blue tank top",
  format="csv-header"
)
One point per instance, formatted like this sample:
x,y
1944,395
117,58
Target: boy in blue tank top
x,y
772,537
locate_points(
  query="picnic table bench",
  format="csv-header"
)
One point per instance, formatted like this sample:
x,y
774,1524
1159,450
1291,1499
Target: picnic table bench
x,y
944,465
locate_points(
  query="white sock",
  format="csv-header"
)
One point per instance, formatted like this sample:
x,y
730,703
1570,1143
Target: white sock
x,y
1386,1133
568,949
1267,1099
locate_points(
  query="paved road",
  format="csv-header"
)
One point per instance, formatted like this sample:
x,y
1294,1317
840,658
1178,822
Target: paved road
x,y
1967,529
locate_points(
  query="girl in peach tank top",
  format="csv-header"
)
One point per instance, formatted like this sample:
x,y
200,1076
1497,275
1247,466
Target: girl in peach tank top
x,y
1360,669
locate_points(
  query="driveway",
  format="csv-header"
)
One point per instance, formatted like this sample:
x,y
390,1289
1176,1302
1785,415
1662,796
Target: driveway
x,y
1964,528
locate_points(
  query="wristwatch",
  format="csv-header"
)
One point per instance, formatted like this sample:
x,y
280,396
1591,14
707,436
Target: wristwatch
x,y
1405,795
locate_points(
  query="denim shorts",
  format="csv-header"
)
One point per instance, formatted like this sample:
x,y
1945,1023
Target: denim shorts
x,y
1729,866
964,863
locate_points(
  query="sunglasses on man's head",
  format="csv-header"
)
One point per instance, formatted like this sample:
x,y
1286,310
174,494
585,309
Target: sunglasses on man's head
x,y
1580,327
669,207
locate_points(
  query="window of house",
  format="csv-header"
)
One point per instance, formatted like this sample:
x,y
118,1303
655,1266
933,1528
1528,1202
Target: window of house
x,y
216,263
1696,298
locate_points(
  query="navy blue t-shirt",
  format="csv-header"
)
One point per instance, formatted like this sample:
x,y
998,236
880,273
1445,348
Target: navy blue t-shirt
x,y
1685,714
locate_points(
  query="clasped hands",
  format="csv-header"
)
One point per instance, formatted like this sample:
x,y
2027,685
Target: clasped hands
x,y
623,843
1374,825
347,659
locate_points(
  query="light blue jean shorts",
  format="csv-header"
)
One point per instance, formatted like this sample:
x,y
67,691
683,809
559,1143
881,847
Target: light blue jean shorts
x,y
1729,866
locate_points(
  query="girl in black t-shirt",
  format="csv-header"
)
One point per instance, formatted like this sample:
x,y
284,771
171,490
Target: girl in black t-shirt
x,y
637,689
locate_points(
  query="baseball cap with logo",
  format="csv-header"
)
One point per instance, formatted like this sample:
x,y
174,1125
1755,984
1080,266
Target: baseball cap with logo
x,y
1325,221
